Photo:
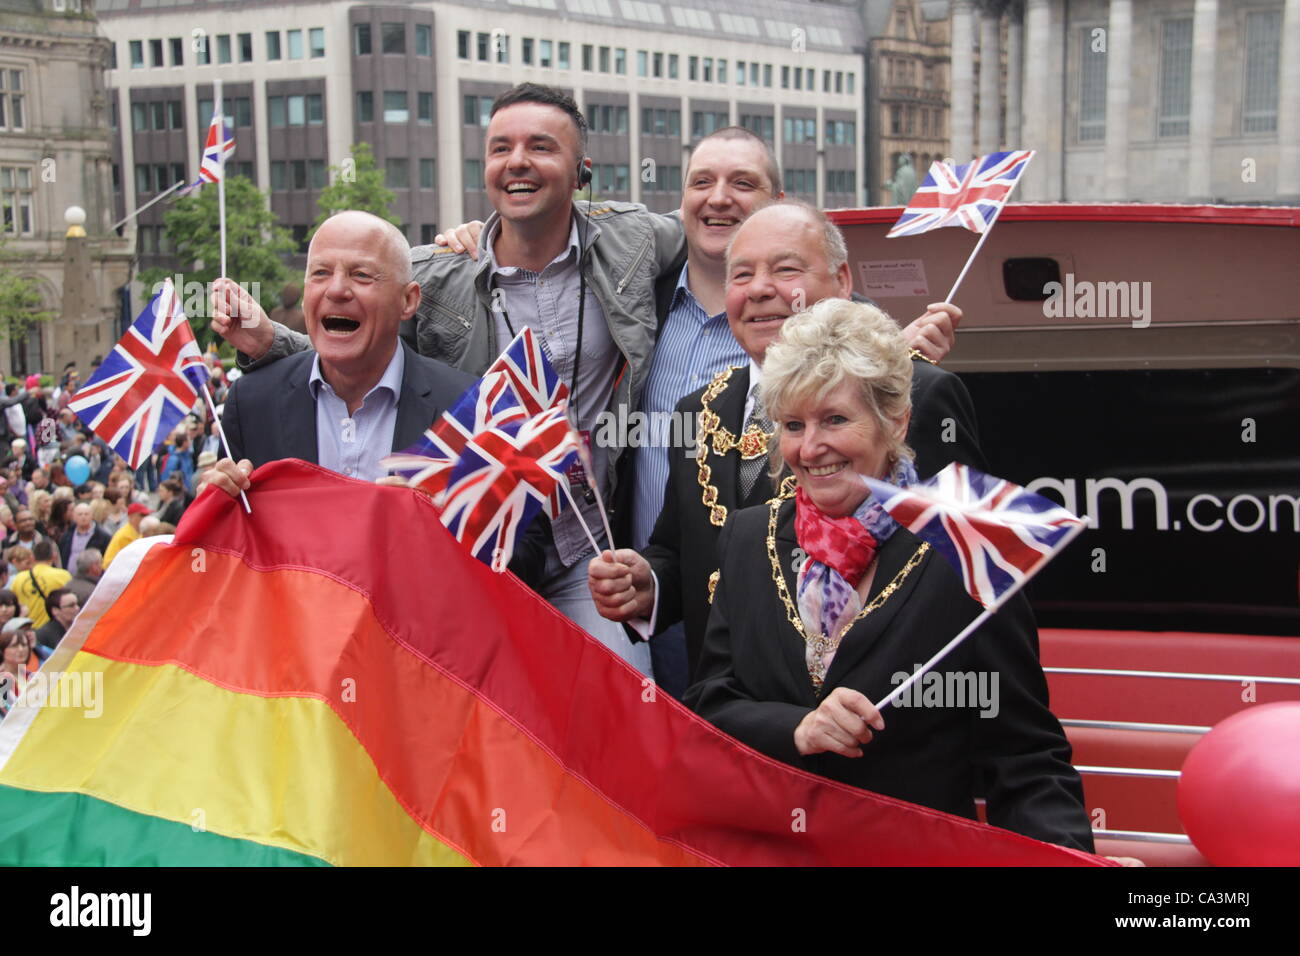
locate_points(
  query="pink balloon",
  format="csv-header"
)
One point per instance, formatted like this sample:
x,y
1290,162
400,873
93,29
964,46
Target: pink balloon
x,y
1239,794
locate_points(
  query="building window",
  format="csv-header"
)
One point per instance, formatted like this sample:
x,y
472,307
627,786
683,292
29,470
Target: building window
x,y
272,44
610,177
16,200
693,68
620,61
1263,56
842,181
799,129
656,122
427,231
895,121
603,59
397,173
361,39
426,174
767,74
365,106
202,52
223,48
588,57
13,100
156,53
137,54
501,44
1092,91
473,174
657,68
526,51
394,37
849,80
300,110
316,173
423,39
722,71
277,175
707,75
826,81
839,80
603,118
316,41
424,107
642,63
395,109
177,51
785,77
843,132
462,44
1175,78
666,179
293,38
244,41
564,56
704,122
545,53
481,42
478,110
801,182
740,72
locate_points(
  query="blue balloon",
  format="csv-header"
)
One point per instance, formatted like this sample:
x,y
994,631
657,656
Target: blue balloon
x,y
77,469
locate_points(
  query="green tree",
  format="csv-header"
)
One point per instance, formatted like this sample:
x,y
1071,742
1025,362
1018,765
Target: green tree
x,y
356,184
20,302
255,247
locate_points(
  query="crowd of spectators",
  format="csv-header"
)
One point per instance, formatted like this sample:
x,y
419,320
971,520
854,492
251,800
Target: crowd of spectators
x,y
58,534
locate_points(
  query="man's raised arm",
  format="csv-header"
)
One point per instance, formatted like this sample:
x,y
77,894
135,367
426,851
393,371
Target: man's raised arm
x,y
238,318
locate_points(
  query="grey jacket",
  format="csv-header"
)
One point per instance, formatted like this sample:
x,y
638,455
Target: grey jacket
x,y
629,249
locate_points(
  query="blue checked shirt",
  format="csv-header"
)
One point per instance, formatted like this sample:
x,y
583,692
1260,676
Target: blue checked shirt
x,y
693,347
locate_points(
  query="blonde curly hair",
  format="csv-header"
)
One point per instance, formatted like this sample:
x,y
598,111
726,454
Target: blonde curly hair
x,y
834,342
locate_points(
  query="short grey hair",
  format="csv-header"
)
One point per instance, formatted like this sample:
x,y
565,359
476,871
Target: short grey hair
x,y
398,244
834,342
88,559
833,244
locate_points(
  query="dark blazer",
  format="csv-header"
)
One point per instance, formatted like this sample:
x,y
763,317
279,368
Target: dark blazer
x,y
99,538
683,546
270,413
753,683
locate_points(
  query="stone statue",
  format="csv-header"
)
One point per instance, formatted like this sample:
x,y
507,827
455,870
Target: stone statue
x,y
903,184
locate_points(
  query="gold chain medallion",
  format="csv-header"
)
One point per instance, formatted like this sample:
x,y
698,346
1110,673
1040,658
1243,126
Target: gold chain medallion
x,y
752,444
823,643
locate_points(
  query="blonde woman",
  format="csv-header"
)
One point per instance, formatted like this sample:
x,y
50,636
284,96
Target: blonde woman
x,y
823,605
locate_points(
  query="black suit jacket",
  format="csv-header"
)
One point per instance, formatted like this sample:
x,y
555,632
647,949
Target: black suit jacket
x,y
99,538
753,683
683,548
270,413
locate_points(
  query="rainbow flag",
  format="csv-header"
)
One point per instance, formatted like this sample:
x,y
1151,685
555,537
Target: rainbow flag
x,y
333,680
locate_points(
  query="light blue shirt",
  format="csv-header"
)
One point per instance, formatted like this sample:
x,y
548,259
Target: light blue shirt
x,y
693,347
353,444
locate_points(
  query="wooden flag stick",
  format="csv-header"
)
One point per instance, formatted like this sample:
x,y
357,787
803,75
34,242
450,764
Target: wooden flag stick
x,y
985,234
987,613
224,444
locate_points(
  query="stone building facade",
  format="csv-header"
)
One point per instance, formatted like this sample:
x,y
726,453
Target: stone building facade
x,y
55,153
1151,101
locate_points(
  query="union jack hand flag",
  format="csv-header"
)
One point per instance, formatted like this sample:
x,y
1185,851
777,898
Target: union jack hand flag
x,y
968,196
426,464
218,148
504,476
522,382
147,384
995,534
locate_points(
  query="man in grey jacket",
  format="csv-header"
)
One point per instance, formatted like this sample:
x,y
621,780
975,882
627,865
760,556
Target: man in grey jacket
x,y
581,276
